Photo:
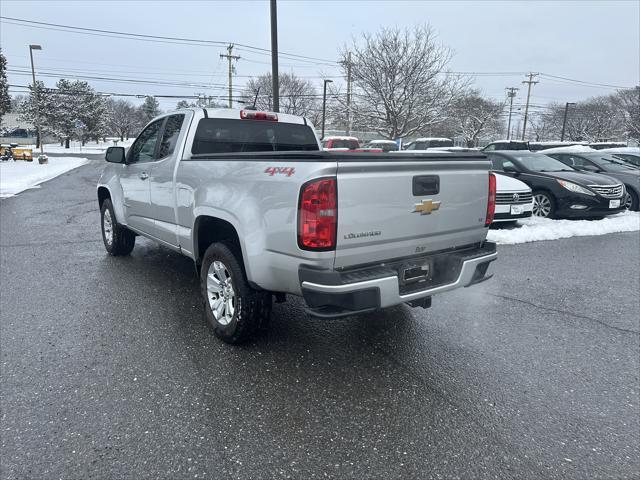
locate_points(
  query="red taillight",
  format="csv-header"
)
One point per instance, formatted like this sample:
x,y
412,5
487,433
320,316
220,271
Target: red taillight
x,y
253,115
491,202
318,215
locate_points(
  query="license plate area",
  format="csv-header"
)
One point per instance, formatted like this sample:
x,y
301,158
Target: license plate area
x,y
614,203
416,272
517,209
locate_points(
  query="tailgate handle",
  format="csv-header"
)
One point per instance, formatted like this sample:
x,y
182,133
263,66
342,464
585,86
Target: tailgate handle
x,y
426,185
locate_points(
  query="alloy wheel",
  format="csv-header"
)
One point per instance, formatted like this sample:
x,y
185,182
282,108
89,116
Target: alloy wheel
x,y
107,227
220,293
628,202
541,205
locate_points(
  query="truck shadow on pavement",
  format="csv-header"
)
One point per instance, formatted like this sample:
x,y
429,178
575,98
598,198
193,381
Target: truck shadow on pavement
x,y
169,279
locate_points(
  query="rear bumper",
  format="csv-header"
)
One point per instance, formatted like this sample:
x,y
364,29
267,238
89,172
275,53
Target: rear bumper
x,y
334,294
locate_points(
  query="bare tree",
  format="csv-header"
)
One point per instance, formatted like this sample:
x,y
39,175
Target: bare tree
x,y
401,86
475,116
122,118
297,96
16,101
547,125
595,119
628,102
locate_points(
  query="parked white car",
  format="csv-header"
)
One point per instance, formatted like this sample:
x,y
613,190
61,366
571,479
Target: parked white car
x,y
514,199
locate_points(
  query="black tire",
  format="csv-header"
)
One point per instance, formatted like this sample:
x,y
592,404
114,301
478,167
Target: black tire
x,y
551,202
122,239
634,200
251,308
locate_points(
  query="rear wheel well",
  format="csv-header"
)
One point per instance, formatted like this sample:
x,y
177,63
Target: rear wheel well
x,y
544,190
210,230
103,194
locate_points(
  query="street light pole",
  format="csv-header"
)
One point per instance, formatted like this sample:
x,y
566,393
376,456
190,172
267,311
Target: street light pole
x,y
37,96
324,104
564,121
275,76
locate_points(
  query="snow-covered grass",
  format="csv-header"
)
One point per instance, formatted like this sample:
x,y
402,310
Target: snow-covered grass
x,y
535,229
76,147
16,177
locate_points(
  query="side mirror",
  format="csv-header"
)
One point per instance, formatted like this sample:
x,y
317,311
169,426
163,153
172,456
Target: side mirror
x,y
115,155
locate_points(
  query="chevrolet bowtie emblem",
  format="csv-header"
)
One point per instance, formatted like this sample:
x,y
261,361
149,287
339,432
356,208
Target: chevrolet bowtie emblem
x,y
426,207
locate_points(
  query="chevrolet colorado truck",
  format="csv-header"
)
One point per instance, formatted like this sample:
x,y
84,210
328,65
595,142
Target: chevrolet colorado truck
x,y
263,211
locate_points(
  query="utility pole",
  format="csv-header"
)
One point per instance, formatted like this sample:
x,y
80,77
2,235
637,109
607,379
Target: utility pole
x,y
324,104
511,93
275,79
564,121
530,82
37,97
230,57
348,132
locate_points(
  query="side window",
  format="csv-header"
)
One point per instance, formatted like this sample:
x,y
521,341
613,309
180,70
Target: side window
x,y
575,161
144,148
508,166
496,163
170,135
489,148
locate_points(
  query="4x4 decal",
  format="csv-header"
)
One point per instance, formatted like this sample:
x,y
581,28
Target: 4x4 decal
x,y
288,171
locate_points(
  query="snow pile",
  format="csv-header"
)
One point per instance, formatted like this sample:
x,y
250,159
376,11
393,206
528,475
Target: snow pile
x,y
76,147
632,150
16,177
535,229
569,149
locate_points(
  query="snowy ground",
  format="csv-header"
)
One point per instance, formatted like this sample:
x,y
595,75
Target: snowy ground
x,y
16,177
76,147
535,229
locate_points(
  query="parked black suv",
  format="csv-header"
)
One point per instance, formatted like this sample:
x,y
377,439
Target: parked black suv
x,y
559,190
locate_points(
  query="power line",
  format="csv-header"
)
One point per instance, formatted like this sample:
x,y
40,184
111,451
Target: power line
x,y
586,83
145,37
118,79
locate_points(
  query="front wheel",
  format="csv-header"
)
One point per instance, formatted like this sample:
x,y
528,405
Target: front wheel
x,y
118,240
631,202
543,205
233,309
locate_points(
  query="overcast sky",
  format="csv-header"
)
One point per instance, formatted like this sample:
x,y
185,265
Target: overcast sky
x,y
594,42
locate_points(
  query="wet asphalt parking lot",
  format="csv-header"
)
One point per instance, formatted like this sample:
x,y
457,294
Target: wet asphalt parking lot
x,y
108,369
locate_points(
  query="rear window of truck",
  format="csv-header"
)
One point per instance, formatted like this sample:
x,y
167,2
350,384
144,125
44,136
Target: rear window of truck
x,y
223,135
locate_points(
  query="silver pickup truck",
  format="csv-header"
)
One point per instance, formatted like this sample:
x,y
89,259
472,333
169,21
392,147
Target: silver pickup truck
x,y
264,212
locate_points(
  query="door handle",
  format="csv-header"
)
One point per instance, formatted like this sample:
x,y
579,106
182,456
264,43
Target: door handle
x,y
143,175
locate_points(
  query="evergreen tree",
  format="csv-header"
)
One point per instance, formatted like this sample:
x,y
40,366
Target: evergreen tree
x,y
5,99
184,104
40,107
149,109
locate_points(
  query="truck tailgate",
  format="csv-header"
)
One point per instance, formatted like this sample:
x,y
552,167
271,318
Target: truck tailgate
x,y
396,208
